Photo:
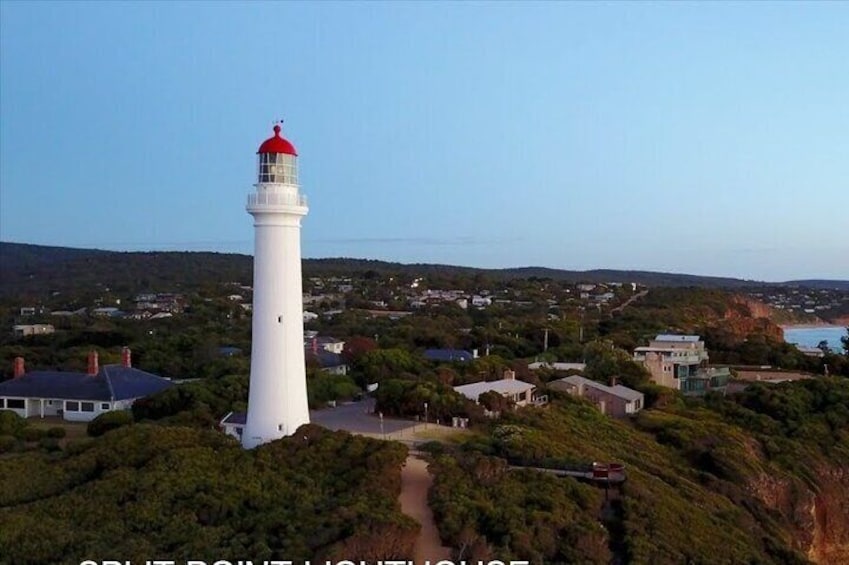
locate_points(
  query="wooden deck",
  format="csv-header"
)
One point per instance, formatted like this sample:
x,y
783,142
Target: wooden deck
x,y
600,473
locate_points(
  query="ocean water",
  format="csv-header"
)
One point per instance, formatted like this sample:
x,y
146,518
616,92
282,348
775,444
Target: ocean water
x,y
812,336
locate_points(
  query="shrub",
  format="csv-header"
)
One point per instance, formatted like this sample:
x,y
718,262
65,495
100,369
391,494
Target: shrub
x,y
8,443
10,423
49,444
31,434
56,432
109,421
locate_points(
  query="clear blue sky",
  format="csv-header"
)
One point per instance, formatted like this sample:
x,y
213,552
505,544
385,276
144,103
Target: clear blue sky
x,y
708,138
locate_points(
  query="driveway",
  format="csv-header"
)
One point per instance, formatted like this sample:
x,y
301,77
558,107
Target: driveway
x,y
357,417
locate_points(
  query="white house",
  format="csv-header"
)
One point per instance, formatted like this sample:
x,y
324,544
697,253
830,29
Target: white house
x,y
78,397
21,330
520,392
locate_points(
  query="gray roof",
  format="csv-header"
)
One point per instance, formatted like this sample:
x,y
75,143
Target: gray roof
x,y
112,382
504,386
235,419
680,338
620,391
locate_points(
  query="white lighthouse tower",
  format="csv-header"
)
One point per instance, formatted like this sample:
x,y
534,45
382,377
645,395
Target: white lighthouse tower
x,y
277,400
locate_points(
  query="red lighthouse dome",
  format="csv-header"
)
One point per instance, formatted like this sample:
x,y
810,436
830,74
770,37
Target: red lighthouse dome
x,y
277,144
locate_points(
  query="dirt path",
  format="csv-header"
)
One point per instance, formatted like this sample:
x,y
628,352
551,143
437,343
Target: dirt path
x,y
415,484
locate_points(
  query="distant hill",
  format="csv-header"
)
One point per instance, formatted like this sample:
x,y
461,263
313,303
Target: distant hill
x,y
819,284
33,270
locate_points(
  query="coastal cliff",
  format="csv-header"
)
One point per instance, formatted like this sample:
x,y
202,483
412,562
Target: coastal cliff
x,y
748,316
815,515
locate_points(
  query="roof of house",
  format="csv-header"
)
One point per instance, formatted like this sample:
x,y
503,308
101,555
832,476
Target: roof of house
x,y
620,391
235,419
447,355
504,386
327,340
681,338
557,366
326,359
112,382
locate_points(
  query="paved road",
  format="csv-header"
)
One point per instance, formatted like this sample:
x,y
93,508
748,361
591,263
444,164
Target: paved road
x,y
357,417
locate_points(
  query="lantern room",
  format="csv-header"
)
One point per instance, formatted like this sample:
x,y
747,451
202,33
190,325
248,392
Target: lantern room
x,y
277,161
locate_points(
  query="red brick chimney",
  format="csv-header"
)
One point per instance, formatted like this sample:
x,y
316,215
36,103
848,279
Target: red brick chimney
x,y
93,367
126,357
19,367
614,380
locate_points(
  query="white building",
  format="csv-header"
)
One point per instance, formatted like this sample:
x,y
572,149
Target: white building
x,y
22,330
277,397
510,387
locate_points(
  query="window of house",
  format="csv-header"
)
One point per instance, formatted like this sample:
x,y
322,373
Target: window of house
x,y
15,403
2,402
104,406
72,406
87,406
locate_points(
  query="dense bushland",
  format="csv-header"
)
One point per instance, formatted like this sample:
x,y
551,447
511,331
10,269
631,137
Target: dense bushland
x,y
173,492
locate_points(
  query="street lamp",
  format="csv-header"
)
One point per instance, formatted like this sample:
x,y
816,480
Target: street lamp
x,y
425,404
382,432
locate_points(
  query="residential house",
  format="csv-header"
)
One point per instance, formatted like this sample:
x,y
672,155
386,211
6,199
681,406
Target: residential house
x,y
328,361
78,397
615,400
327,353
22,330
448,355
680,362
233,424
520,392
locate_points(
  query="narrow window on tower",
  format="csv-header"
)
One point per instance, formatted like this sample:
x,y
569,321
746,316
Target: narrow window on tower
x,y
279,319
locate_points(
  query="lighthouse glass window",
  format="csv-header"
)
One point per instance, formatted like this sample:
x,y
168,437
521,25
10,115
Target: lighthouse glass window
x,y
277,168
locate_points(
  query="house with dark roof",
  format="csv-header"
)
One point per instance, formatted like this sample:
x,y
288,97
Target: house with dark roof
x,y
448,355
78,397
233,424
326,353
327,361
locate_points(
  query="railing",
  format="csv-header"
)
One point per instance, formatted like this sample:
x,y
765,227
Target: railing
x,y
276,199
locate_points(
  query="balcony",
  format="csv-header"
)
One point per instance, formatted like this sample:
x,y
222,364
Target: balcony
x,y
705,380
276,199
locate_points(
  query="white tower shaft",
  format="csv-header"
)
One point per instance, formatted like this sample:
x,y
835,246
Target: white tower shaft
x,y
277,400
